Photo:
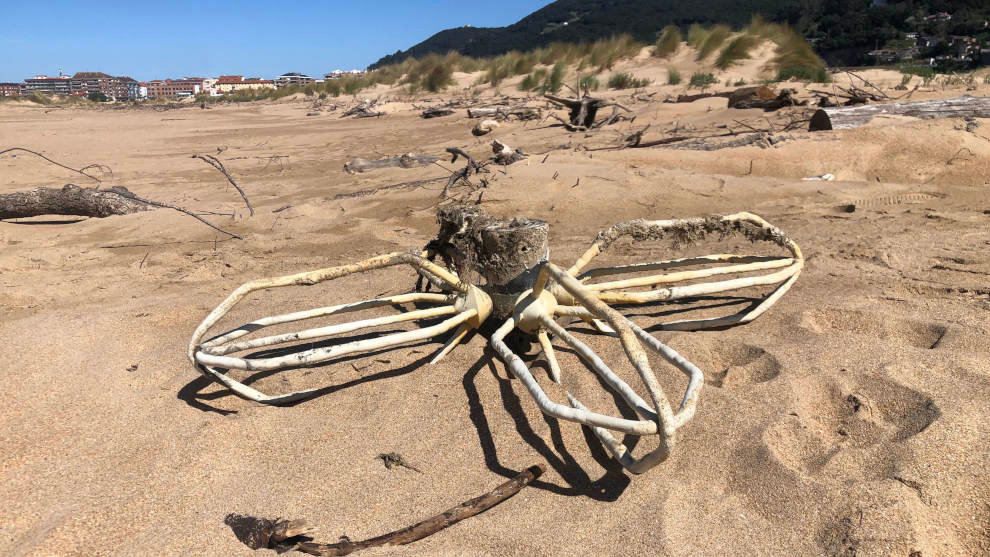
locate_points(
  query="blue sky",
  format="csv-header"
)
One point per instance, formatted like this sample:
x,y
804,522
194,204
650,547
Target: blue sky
x,y
159,39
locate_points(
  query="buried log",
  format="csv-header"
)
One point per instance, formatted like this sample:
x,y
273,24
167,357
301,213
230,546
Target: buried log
x,y
69,200
848,117
759,92
273,533
435,112
750,97
76,201
408,160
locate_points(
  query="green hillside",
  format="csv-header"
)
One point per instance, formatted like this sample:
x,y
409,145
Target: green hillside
x,y
841,29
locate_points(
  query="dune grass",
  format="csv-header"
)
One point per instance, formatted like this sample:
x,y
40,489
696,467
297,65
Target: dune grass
x,y
794,57
544,68
697,35
669,42
588,83
605,53
716,37
735,50
533,80
624,80
702,80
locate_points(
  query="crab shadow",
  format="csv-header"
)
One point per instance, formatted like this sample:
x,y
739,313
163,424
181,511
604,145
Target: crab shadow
x,y
577,481
607,487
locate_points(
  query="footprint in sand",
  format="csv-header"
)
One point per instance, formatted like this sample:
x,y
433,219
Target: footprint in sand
x,y
729,364
829,416
920,334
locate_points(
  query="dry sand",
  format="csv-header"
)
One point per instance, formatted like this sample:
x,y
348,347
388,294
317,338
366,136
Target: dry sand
x,y
852,418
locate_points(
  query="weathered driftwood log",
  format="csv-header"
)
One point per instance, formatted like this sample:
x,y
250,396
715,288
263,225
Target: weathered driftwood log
x,y
520,112
847,117
699,96
435,112
759,99
506,155
750,97
410,534
69,200
408,160
363,110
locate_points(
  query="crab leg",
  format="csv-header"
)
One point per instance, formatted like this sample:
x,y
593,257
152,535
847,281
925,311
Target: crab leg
x,y
317,355
257,324
221,350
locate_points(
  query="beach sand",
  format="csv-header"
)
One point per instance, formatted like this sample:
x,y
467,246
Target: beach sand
x,y
850,419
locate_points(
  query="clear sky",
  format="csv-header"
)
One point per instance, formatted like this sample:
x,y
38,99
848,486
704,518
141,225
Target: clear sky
x,y
159,39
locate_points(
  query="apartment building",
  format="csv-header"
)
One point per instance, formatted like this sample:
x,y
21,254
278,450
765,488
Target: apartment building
x,y
293,78
175,88
53,85
117,88
226,84
11,89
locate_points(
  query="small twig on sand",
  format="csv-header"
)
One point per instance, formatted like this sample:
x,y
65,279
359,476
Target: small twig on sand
x,y
959,152
215,163
82,171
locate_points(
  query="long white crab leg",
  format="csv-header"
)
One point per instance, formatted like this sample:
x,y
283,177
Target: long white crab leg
x,y
785,269
465,309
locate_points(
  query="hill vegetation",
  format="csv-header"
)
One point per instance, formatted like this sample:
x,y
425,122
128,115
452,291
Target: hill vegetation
x,y
544,68
841,30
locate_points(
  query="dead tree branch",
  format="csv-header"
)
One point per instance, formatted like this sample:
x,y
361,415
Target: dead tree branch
x,y
419,530
100,167
215,163
123,192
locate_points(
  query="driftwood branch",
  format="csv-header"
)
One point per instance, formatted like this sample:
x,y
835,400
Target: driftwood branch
x,y
472,167
429,526
215,163
100,167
